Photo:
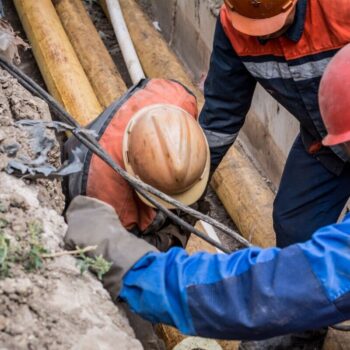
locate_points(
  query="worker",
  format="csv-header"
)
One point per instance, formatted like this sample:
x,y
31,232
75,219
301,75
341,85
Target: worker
x,y
285,45
151,132
250,294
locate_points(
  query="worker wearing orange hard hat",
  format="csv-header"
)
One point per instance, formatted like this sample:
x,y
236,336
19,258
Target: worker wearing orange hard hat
x,y
285,46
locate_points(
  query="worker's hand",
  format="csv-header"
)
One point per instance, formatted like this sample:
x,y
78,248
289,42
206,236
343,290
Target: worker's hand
x,y
92,222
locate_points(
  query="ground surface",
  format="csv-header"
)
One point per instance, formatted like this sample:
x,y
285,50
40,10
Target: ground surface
x,y
53,307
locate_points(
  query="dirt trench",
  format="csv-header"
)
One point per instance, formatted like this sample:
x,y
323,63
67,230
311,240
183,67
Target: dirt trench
x,y
52,307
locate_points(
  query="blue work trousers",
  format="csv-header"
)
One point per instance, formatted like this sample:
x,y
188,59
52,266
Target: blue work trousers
x,y
309,197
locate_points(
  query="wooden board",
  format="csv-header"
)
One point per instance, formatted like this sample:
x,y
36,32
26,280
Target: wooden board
x,y
91,51
195,244
60,67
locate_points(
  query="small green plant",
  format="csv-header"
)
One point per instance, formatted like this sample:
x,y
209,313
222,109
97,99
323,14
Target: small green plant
x,y
4,256
33,260
32,255
2,207
35,229
98,265
3,223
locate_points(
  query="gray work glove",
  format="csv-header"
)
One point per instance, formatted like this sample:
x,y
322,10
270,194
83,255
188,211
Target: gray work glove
x,y
93,222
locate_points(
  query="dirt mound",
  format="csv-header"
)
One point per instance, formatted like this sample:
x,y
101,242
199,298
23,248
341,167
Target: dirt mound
x,y
44,303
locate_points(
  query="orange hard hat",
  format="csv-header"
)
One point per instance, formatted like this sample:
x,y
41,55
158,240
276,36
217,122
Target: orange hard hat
x,y
334,98
259,17
165,147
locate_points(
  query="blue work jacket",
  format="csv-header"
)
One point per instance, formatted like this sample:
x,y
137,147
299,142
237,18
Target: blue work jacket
x,y
250,294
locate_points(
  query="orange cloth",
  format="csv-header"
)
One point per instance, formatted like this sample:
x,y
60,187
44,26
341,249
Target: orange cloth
x,y
326,28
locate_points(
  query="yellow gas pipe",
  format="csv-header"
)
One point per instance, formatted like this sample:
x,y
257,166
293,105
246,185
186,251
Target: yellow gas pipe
x,y
58,63
91,51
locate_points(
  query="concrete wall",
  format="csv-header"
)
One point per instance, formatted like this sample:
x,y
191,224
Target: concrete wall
x,y
269,130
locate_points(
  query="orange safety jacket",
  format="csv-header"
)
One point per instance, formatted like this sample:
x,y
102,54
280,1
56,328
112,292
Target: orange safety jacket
x,y
289,68
97,179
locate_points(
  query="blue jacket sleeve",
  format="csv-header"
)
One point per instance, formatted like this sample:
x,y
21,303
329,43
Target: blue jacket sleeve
x,y
250,294
228,91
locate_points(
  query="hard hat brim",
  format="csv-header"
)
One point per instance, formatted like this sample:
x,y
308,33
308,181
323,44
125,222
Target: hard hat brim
x,y
188,197
259,27
333,140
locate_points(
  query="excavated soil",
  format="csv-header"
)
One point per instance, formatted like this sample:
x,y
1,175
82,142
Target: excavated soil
x,y
53,307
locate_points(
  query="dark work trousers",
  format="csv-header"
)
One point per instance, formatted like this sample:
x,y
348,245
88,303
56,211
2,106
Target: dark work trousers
x,y
309,197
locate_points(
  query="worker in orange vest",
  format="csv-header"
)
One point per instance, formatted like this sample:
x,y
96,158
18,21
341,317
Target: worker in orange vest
x,y
153,133
285,46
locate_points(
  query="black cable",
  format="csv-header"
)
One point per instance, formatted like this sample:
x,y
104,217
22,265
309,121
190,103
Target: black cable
x,y
94,146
